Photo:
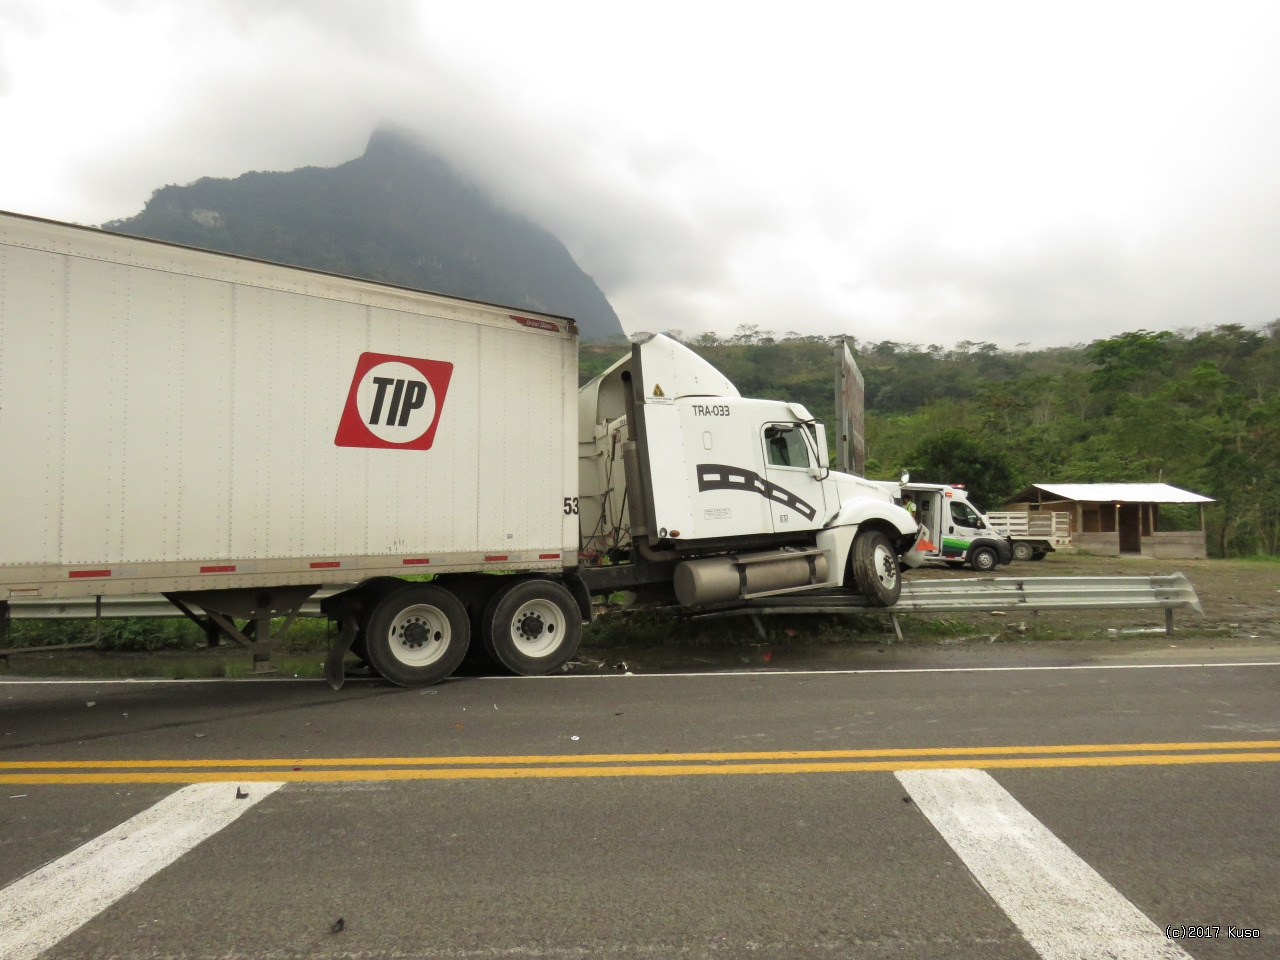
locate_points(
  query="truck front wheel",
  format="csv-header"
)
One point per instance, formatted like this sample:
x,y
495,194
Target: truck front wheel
x,y
874,563
531,627
984,559
1022,550
417,635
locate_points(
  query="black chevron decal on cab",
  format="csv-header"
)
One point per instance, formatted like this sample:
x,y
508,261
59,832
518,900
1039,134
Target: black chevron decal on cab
x,y
720,476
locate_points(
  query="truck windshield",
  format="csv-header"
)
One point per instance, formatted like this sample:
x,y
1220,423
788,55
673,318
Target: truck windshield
x,y
785,446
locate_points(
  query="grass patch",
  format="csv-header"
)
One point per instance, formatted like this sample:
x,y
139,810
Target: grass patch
x,y
1258,560
164,665
153,634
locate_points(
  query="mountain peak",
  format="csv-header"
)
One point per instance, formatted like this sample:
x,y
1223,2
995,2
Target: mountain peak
x,y
398,214
387,138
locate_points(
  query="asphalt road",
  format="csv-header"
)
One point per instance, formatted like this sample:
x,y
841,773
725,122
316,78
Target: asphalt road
x,y
758,814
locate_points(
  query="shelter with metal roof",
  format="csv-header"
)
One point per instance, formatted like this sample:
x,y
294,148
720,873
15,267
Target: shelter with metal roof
x,y
1119,518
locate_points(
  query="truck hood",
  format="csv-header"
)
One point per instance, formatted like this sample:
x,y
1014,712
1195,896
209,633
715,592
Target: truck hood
x,y
850,486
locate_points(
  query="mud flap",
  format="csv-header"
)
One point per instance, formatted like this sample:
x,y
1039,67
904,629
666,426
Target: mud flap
x,y
333,670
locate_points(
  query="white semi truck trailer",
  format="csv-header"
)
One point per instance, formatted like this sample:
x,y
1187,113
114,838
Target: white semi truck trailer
x,y
237,434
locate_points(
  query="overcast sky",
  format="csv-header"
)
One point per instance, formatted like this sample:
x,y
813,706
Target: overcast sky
x,y
923,172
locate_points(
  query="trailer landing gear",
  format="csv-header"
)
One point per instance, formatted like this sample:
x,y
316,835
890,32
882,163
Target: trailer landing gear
x,y
257,606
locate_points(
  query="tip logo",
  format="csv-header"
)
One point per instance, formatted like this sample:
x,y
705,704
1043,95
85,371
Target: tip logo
x,y
394,402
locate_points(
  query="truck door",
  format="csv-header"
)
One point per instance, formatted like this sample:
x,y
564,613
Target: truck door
x,y
962,529
795,495
929,516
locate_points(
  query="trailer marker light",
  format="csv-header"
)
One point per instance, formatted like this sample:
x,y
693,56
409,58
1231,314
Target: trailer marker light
x,y
415,560
77,574
325,564
495,558
548,556
223,569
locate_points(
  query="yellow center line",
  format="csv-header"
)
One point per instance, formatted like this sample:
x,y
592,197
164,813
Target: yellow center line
x,y
635,765
639,770
641,758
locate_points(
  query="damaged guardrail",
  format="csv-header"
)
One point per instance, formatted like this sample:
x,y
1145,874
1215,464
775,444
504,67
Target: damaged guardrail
x,y
1170,592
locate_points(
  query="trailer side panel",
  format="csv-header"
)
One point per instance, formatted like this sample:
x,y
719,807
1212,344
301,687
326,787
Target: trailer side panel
x,y
175,419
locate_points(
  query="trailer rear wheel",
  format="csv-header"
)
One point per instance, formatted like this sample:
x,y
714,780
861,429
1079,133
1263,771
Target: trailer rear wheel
x,y
874,563
372,592
417,635
1022,550
984,559
531,627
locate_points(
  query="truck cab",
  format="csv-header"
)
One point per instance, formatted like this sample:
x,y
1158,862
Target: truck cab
x,y
676,466
952,530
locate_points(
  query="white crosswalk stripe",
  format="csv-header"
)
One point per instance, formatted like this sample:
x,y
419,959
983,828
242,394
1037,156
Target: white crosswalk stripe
x,y
48,904
1063,907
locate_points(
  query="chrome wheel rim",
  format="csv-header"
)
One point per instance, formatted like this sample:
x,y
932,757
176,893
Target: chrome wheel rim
x,y
885,564
537,628
419,635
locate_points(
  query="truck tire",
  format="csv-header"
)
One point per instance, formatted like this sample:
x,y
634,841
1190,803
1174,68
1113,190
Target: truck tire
x,y
1038,555
373,591
1022,550
531,627
874,563
417,635
984,560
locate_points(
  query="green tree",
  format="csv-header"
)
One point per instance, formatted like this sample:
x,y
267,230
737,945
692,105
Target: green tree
x,y
1124,361
956,456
